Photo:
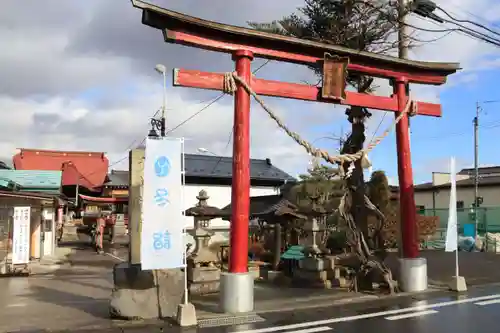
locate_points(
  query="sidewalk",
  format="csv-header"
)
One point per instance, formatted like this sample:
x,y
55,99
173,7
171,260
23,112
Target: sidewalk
x,y
270,298
50,264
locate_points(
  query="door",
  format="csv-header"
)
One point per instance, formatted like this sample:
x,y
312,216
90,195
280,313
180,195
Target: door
x,y
36,237
49,234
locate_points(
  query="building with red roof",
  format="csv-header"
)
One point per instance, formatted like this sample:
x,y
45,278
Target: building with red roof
x,y
85,169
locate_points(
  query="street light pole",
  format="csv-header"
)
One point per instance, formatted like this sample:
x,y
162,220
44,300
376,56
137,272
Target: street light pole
x,y
162,70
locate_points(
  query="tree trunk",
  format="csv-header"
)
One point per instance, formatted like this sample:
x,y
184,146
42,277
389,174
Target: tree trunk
x,y
356,181
277,246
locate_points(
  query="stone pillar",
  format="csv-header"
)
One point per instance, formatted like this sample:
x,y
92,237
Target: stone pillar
x,y
136,182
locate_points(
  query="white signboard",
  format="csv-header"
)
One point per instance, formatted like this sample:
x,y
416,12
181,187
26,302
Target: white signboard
x,y
21,235
162,245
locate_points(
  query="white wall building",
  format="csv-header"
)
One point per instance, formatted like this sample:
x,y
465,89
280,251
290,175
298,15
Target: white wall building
x,y
214,175
436,194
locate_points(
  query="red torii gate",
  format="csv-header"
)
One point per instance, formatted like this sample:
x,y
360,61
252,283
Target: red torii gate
x,y
245,44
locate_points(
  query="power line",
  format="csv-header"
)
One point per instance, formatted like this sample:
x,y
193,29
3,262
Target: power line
x,y
232,129
456,134
227,145
467,21
461,28
214,100
196,114
426,9
474,15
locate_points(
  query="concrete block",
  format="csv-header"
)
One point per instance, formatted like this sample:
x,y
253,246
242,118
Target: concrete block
x,y
274,275
186,315
317,264
254,271
202,274
314,275
141,294
204,288
458,284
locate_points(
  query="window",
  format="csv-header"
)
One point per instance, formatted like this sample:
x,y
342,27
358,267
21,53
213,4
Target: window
x,y
460,204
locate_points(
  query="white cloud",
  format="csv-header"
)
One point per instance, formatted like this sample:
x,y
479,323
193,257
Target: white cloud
x,y
74,78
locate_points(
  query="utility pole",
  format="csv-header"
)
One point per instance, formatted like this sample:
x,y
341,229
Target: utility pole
x,y
476,165
403,33
402,30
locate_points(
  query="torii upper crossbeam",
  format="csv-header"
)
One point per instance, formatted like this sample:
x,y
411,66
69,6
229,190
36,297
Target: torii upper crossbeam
x,y
245,44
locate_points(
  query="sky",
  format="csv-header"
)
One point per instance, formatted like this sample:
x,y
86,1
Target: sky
x,y
80,76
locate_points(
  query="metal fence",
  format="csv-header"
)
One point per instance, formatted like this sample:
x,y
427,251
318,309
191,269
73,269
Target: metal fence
x,y
488,222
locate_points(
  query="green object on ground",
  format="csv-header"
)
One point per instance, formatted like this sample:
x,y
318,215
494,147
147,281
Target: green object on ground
x,y
293,252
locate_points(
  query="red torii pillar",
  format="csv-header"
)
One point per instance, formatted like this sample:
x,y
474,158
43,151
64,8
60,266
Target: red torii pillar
x,y
244,44
240,190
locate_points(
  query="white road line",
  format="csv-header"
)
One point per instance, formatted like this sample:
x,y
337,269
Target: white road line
x,y
312,330
369,315
411,315
115,257
492,301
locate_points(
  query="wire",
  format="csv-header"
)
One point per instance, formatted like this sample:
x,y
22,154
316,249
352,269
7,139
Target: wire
x,y
474,15
214,100
227,144
195,114
455,134
232,129
462,29
468,31
468,21
378,126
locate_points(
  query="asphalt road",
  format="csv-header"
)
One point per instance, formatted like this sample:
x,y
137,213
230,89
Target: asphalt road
x,y
442,313
435,312
476,310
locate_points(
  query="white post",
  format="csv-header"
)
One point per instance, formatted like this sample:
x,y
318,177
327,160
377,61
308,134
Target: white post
x,y
186,312
183,173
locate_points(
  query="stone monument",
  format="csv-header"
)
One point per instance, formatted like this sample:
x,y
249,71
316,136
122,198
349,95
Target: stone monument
x,y
139,294
203,273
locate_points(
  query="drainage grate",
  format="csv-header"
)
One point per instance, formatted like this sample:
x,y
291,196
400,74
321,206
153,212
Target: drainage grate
x,y
230,320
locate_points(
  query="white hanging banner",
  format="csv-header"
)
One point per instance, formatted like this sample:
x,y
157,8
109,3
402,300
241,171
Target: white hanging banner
x,y
21,235
452,228
162,245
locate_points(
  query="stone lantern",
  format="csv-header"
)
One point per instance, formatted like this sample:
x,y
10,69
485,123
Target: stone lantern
x,y
313,227
316,268
203,274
